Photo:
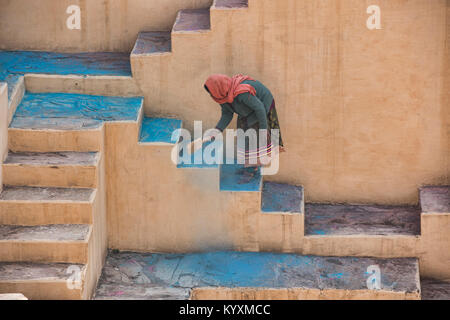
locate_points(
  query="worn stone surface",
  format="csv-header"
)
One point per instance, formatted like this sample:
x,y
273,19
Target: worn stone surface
x,y
84,63
67,111
193,20
152,42
231,3
340,219
435,199
14,64
139,292
10,271
277,197
159,130
54,232
239,178
435,289
256,270
45,194
52,158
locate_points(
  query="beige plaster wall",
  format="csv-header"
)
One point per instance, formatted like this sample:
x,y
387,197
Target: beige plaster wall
x,y
106,25
3,127
364,113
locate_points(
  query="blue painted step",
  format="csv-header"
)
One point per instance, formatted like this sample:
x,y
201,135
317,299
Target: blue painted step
x,y
67,111
159,130
255,270
281,198
234,177
203,158
14,64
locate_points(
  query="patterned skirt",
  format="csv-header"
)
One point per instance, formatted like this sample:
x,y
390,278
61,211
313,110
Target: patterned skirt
x,y
251,154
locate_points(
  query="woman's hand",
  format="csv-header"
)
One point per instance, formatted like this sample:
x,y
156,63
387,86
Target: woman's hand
x,y
208,138
195,145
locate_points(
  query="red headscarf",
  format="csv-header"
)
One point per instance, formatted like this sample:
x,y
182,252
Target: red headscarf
x,y
224,89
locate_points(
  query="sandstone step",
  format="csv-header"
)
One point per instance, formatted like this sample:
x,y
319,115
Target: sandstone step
x,y
231,4
244,275
435,289
367,220
282,198
50,140
46,243
12,296
159,131
54,122
37,205
149,43
57,169
42,281
239,179
192,20
140,292
435,199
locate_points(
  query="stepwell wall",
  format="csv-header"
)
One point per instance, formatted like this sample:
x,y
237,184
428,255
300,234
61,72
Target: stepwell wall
x,y
364,113
106,25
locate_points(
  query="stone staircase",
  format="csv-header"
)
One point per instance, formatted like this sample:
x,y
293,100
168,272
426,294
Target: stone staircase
x,y
79,142
53,204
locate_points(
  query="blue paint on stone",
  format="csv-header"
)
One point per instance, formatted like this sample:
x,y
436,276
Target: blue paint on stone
x,y
159,130
277,197
13,81
16,63
73,111
257,270
202,156
234,177
85,63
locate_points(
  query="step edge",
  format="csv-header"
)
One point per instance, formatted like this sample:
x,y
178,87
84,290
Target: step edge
x,y
77,76
85,241
44,279
393,236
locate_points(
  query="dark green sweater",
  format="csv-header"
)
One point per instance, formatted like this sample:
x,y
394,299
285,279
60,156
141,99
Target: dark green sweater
x,y
254,108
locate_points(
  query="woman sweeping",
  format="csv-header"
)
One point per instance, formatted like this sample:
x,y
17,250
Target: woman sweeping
x,y
255,106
